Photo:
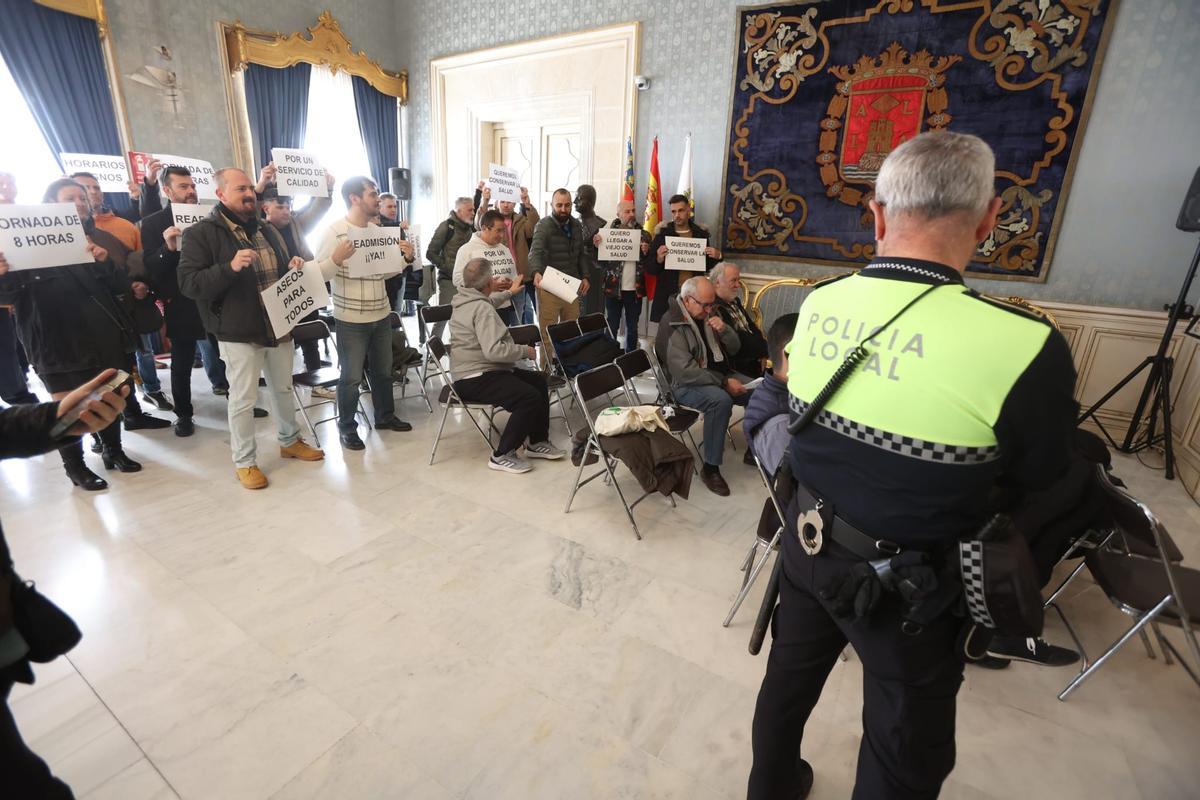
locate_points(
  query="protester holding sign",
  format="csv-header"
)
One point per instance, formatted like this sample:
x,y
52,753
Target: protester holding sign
x,y
226,262
624,276
362,309
488,243
104,217
161,235
558,242
73,324
518,235
681,224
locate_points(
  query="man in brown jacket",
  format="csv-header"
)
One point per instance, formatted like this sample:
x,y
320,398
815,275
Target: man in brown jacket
x,y
518,233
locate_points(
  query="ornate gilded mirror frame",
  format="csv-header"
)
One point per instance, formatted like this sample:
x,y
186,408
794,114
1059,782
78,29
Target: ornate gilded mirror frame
x,y
324,45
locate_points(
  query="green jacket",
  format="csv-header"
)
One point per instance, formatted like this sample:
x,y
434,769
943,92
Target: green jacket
x,y
552,248
452,234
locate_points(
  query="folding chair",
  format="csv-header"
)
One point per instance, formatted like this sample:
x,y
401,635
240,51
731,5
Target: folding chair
x,y
429,317
637,362
590,323
760,551
531,336
325,377
1152,589
449,399
417,363
602,381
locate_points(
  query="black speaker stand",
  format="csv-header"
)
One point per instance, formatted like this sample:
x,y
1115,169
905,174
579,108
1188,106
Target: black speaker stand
x,y
1155,399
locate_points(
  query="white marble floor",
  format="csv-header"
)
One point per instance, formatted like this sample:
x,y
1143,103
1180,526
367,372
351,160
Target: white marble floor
x,y
373,627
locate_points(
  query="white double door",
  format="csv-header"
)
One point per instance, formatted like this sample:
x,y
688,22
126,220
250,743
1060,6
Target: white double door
x,y
548,156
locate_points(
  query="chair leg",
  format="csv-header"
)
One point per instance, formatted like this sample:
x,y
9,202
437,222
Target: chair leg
x,y
304,413
1149,648
751,576
1162,644
1138,626
624,502
579,475
1071,632
1054,596
438,437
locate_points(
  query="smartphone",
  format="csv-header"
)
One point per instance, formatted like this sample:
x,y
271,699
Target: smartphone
x,y
71,417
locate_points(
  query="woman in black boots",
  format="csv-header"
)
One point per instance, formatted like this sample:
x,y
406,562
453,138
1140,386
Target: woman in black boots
x,y
74,324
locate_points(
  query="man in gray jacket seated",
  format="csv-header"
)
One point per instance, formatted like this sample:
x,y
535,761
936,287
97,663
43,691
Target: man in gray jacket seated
x,y
483,358
695,345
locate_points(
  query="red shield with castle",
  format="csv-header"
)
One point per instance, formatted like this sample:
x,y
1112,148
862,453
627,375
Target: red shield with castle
x,y
883,113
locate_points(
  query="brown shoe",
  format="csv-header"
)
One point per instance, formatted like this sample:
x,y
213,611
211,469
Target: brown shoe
x,y
715,483
252,477
302,450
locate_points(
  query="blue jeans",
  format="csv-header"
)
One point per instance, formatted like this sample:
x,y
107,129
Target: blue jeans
x,y
149,344
628,303
530,309
214,367
518,307
358,342
716,405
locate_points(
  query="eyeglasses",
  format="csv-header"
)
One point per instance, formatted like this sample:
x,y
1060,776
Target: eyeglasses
x,y
705,306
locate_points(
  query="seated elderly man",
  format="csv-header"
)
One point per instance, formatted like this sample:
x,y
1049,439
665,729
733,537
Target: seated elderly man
x,y
766,420
695,346
483,358
727,280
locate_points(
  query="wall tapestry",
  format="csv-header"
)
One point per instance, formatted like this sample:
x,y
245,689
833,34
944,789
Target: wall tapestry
x,y
823,91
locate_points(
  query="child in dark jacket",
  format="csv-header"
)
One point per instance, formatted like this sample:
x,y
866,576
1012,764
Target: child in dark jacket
x,y
766,420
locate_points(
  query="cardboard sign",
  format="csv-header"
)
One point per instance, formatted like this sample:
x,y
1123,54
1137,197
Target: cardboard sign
x,y
185,215
686,254
505,184
297,172
202,174
620,244
110,171
33,237
413,234
503,265
560,284
293,297
139,165
376,251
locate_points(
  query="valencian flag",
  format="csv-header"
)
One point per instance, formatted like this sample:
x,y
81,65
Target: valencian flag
x,y
653,208
627,192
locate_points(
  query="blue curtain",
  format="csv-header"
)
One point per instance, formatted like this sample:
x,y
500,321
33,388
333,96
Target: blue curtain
x,y
380,132
277,103
56,61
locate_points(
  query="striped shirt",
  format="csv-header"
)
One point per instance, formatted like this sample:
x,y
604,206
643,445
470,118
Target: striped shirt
x,y
358,300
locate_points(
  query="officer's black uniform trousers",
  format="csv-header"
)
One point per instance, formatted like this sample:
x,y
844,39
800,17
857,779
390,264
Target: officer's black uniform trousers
x,y
909,686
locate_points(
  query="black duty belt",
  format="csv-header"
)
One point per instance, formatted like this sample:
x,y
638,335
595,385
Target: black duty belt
x,y
815,522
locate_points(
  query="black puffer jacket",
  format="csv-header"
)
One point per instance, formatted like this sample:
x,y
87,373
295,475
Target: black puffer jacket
x,y
71,318
552,247
230,302
162,268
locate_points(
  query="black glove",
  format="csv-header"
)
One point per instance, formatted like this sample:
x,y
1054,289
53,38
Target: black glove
x,y
857,595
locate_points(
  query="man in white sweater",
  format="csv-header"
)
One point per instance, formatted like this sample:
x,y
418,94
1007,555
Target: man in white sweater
x,y
488,243
361,308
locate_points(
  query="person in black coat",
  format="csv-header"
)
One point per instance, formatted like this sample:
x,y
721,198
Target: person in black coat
x,y
185,329
682,223
726,278
68,349
24,432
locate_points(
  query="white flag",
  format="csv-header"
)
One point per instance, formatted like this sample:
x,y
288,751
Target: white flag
x,y
685,173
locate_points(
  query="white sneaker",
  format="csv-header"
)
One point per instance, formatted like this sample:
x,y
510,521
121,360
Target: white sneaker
x,y
544,450
509,462
325,392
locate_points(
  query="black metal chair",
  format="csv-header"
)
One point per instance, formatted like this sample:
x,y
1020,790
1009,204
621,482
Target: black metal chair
x,y
597,382
760,551
449,399
323,377
590,323
1152,589
430,317
531,336
417,364
637,363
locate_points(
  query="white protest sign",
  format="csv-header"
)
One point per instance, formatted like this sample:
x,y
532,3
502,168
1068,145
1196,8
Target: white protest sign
x,y
413,234
111,172
686,253
560,284
185,215
376,251
505,184
503,265
202,173
33,237
293,297
297,172
620,244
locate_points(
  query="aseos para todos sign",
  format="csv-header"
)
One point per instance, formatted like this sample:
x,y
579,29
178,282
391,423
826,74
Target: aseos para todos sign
x,y
34,237
298,173
294,296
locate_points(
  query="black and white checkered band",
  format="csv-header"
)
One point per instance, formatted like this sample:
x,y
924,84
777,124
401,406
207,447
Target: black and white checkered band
x,y
925,273
895,443
970,557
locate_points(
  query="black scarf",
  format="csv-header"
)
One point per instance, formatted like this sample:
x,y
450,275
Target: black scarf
x,y
250,226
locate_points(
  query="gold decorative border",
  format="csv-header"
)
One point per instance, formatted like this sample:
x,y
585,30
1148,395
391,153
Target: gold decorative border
x,y
324,45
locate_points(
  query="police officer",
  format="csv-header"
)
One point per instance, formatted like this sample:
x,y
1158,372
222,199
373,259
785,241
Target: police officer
x,y
949,394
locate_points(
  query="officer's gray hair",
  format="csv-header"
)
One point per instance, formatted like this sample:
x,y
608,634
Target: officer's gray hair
x,y
936,174
691,287
718,272
477,274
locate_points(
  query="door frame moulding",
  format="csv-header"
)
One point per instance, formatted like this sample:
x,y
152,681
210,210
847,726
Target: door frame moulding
x,y
579,105
628,33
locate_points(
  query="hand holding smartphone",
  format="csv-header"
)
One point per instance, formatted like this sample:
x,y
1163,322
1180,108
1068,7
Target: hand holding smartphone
x,y
100,399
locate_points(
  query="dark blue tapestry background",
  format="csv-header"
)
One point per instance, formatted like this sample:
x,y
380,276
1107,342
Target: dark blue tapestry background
x,y
1018,73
